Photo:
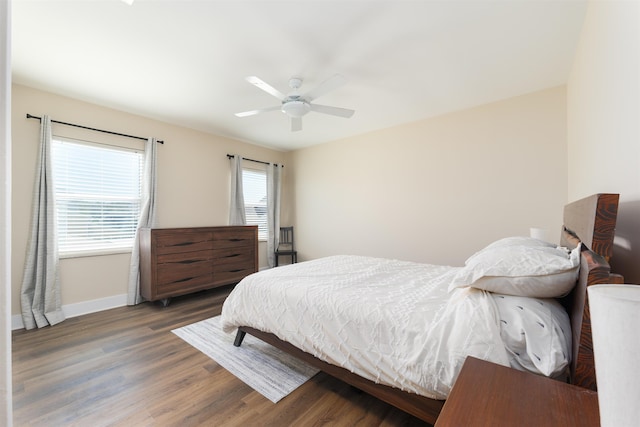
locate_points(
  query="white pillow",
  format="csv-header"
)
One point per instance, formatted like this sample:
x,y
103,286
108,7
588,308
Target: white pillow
x,y
536,334
532,271
519,241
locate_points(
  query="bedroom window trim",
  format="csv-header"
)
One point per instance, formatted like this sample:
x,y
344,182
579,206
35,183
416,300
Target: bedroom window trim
x,y
110,194
254,183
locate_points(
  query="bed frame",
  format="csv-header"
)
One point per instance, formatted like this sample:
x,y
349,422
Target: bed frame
x,y
589,222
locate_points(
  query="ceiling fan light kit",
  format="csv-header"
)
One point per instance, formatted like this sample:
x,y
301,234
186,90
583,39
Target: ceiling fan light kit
x,y
296,108
295,105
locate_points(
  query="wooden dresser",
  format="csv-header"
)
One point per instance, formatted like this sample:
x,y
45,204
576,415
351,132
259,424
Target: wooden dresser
x,y
178,261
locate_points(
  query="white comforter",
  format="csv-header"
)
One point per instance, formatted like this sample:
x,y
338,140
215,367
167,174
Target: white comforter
x,y
392,322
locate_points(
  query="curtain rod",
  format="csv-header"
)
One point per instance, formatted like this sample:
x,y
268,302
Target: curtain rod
x,y
231,156
29,116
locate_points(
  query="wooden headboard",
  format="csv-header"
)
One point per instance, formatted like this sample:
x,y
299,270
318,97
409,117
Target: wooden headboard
x,y
590,222
593,221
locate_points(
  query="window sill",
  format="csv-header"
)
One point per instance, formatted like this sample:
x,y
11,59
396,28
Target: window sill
x,y
94,252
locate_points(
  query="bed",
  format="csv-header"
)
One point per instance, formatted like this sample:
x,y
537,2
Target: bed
x,y
363,319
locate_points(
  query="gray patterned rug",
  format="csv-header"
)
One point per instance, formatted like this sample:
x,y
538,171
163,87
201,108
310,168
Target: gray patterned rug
x,y
271,372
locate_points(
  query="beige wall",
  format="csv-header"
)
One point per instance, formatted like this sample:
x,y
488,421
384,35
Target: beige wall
x,y
193,183
603,99
439,189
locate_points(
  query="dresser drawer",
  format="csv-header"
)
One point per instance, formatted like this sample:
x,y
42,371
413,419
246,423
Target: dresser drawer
x,y
185,257
233,255
234,238
232,272
183,286
178,271
168,243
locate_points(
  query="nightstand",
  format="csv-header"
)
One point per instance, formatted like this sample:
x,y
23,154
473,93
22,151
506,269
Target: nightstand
x,y
486,394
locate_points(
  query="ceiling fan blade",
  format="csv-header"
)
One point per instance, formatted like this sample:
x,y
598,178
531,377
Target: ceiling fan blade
x,y
261,110
334,111
296,124
328,85
265,87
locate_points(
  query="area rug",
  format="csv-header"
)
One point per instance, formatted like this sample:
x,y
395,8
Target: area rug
x,y
268,370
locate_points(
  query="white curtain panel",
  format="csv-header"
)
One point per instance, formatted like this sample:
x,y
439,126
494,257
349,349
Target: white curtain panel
x,y
236,205
274,174
147,218
40,292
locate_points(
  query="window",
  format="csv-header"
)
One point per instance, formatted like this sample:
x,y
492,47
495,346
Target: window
x,y
98,195
254,186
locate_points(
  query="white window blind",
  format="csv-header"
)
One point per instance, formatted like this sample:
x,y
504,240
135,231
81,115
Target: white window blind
x,y
98,194
254,185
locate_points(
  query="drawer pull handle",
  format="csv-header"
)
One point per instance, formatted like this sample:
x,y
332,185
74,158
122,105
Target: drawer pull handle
x,y
236,271
183,280
233,255
185,244
188,261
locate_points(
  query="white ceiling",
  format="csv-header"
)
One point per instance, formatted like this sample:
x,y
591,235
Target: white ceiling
x,y
185,62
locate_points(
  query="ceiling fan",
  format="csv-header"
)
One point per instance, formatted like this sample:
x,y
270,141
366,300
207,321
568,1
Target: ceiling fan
x,y
296,104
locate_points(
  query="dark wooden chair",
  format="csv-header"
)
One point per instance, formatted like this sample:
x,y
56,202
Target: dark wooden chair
x,y
286,246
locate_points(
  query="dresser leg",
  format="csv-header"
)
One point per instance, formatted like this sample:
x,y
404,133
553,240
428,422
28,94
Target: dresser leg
x,y
165,301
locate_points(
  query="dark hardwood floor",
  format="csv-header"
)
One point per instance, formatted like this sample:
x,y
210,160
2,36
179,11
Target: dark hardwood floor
x,y
124,367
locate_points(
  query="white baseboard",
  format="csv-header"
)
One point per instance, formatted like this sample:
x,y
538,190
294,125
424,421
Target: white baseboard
x,y
80,308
